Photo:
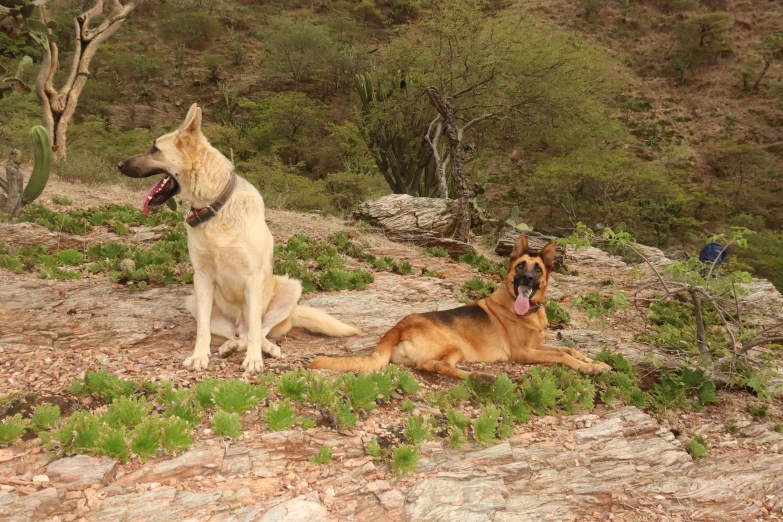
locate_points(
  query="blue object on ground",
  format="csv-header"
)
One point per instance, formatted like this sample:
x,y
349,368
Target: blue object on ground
x,y
711,252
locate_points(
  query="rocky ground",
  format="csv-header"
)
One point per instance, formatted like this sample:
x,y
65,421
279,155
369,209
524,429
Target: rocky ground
x,y
611,464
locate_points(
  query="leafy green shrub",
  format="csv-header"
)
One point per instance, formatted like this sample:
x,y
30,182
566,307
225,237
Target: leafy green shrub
x,y
293,385
405,459
485,426
280,417
343,414
373,449
11,428
317,391
128,411
361,390
435,251
101,384
621,384
698,447
324,456
407,405
176,435
195,29
594,305
482,263
758,411
45,417
112,443
146,437
557,315
476,288
675,389
226,424
402,268
236,396
417,429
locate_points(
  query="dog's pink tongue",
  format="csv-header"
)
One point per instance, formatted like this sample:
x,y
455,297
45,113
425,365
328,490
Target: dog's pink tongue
x,y
522,304
148,195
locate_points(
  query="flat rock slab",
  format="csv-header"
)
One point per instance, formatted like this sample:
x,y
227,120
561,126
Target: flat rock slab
x,y
80,472
197,461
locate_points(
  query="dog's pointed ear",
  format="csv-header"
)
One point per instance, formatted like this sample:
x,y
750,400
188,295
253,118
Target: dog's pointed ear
x,y
520,247
192,123
547,254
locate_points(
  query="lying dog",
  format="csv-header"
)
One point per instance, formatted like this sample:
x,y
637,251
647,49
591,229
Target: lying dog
x,y
231,249
508,325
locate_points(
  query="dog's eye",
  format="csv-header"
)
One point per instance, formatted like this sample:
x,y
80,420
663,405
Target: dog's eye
x,y
154,148
538,268
521,266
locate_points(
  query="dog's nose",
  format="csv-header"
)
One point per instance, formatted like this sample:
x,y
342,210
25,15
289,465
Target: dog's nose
x,y
120,164
527,278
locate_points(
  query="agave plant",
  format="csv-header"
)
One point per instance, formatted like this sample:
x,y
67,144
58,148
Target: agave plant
x,y
16,193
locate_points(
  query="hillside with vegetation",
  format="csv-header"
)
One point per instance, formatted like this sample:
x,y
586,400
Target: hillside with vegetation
x,y
661,118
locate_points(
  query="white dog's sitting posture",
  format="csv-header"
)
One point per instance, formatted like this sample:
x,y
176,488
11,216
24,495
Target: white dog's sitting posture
x,y
232,251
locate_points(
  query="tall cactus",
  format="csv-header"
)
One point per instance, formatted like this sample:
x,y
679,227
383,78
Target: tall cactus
x,y
399,150
16,194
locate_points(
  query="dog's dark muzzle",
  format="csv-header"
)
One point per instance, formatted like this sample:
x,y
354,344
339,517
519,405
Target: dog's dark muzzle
x,y
528,279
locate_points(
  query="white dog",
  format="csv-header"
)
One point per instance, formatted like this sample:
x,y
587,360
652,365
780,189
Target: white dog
x,y
232,251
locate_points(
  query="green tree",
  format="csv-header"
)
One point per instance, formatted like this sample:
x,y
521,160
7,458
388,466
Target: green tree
x,y
297,48
483,73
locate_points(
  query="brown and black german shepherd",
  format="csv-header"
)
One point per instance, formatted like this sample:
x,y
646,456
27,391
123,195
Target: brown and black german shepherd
x,y
508,325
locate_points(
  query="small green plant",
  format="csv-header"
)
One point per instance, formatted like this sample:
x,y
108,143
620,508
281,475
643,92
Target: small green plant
x,y
779,427
127,411
435,251
236,396
405,459
176,435
102,385
318,391
485,426
11,428
417,429
61,200
281,417
324,456
374,450
475,289
226,424
402,268
557,315
112,443
146,438
759,411
343,415
362,391
698,447
407,406
595,305
733,429
406,383
481,263
204,392
308,423
292,385
45,417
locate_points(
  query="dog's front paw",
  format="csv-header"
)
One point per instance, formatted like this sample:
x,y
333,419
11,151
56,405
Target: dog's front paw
x,y
253,364
270,349
596,368
196,362
231,346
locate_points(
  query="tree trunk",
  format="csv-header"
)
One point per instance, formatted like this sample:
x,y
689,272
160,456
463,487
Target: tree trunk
x,y
12,203
457,155
59,106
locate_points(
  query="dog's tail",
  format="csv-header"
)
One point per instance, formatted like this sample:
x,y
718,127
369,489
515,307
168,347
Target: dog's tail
x,y
320,322
379,358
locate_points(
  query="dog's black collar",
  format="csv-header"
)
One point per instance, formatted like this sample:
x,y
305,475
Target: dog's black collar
x,y
197,216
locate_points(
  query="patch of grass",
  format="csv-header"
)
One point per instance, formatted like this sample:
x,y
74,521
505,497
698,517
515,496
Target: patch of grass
x,y
176,435
417,429
128,411
595,305
475,289
680,388
102,385
146,438
402,268
732,429
318,266
324,456
435,251
112,443
361,390
292,385
374,450
482,263
486,425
